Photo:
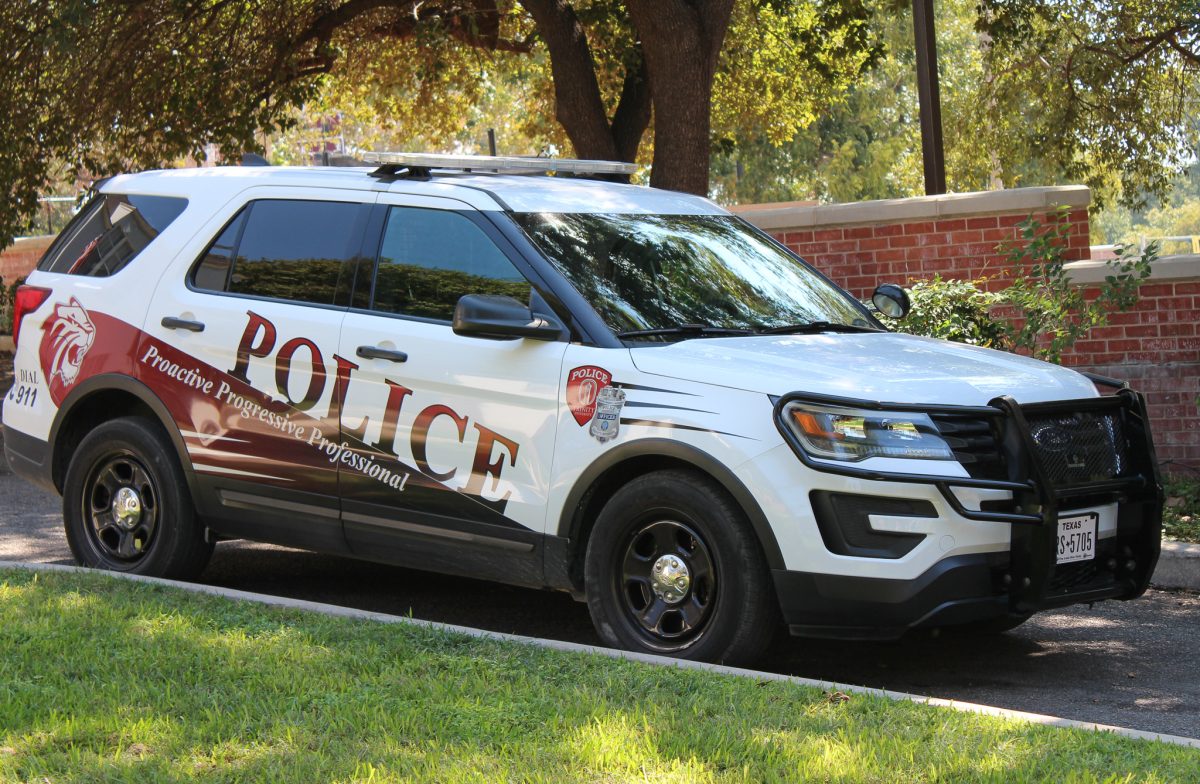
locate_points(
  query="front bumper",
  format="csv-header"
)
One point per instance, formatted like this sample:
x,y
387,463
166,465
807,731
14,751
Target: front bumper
x,y
1041,486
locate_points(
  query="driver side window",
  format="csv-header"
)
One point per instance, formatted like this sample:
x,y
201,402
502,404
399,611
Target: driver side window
x,y
431,258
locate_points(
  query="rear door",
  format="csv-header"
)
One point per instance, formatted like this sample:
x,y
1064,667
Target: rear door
x,y
452,436
241,346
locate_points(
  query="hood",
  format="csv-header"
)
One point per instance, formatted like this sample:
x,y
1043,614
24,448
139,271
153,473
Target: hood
x,y
882,366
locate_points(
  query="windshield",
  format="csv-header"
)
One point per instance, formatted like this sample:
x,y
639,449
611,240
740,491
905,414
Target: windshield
x,y
651,272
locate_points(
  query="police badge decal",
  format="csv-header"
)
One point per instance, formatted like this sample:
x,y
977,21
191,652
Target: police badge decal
x,y
606,422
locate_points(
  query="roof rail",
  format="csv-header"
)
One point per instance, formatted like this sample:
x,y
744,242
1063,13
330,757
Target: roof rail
x,y
392,164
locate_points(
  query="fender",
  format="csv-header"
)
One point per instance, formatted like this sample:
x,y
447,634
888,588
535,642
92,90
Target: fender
x,y
115,381
662,447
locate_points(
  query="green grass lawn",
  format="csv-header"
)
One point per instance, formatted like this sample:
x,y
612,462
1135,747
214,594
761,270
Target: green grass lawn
x,y
104,680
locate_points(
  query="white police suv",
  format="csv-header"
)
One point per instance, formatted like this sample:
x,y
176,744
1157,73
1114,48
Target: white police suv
x,y
464,365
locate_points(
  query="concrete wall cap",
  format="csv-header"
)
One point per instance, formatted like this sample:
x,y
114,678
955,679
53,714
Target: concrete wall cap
x,y
1163,269
949,205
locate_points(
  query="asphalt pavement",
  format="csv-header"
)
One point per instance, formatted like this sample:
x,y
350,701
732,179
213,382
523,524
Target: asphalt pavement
x,y
1134,664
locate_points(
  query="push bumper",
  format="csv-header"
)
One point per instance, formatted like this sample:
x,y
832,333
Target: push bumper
x,y
1026,578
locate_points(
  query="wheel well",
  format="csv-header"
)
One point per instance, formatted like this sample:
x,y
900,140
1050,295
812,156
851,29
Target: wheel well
x,y
607,483
95,409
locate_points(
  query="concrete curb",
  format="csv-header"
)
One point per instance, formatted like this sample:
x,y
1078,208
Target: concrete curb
x,y
1178,566
660,661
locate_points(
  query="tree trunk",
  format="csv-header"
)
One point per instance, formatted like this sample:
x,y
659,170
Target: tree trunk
x,y
578,106
681,40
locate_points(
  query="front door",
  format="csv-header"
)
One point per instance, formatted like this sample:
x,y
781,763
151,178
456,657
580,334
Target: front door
x,y
448,439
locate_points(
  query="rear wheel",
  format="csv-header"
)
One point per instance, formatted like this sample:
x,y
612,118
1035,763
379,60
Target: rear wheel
x,y
674,568
126,504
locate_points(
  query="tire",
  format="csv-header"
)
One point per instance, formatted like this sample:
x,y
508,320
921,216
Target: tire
x,y
126,504
664,526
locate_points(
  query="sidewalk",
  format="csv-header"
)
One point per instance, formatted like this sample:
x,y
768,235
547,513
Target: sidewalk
x,y
1178,566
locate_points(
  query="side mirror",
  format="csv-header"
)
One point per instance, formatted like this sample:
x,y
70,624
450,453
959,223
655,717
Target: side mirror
x,y
495,316
891,300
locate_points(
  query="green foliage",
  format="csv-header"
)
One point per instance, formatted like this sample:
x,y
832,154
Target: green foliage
x,y
1181,517
958,310
1116,85
1042,102
1040,312
1051,312
105,680
106,87
7,295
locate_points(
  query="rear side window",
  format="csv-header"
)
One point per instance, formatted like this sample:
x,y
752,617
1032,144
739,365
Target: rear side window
x,y
285,249
431,258
109,232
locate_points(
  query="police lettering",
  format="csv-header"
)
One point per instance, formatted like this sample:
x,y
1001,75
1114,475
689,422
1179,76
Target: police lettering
x,y
487,460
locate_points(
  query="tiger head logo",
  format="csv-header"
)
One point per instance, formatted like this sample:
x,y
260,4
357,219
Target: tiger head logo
x,y
69,337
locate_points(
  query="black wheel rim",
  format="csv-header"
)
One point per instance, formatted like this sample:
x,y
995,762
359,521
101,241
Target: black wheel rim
x,y
121,506
669,612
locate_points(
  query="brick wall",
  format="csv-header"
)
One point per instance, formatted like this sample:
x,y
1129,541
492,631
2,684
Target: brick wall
x,y
861,257
1155,345
19,259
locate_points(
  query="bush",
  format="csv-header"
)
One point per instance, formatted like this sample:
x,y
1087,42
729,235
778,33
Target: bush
x,y
1040,312
1181,517
7,295
958,310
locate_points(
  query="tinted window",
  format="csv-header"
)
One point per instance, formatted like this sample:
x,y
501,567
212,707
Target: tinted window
x,y
431,258
110,231
293,250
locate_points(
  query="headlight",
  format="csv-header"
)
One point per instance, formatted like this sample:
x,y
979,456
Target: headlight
x,y
835,433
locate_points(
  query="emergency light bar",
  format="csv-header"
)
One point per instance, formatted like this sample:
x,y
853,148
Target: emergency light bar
x,y
490,163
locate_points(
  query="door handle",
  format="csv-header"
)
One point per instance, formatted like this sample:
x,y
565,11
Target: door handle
x,y
375,352
173,322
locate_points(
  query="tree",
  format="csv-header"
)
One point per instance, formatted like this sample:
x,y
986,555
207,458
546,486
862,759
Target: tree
x,y
1105,91
112,86
1033,93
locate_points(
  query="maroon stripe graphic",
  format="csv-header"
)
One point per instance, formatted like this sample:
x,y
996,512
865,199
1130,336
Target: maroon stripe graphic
x,y
235,430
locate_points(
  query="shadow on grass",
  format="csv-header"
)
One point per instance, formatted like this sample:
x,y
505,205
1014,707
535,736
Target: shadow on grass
x,y
108,681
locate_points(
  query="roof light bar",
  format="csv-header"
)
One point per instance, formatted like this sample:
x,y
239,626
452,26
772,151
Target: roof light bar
x,y
488,163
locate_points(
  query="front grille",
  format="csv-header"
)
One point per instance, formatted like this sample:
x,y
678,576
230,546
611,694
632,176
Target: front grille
x,y
972,439
1080,447
1074,448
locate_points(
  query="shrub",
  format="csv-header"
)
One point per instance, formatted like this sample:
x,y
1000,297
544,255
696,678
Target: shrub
x,y
958,310
7,294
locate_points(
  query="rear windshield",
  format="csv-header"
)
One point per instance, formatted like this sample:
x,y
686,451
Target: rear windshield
x,y
109,232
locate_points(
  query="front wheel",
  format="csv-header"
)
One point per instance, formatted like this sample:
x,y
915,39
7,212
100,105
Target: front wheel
x,y
674,568
126,504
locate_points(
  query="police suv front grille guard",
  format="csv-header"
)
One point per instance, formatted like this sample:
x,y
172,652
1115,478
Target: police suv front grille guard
x,y
1036,499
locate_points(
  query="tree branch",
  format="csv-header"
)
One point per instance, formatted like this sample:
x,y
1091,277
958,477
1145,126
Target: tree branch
x,y
632,115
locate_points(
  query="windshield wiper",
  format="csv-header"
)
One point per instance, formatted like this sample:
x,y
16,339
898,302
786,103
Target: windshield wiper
x,y
687,330
810,327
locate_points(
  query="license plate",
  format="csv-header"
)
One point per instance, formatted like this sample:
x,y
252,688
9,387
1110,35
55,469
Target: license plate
x,y
1077,538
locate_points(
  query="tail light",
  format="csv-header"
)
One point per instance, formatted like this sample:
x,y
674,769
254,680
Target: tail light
x,y
27,300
